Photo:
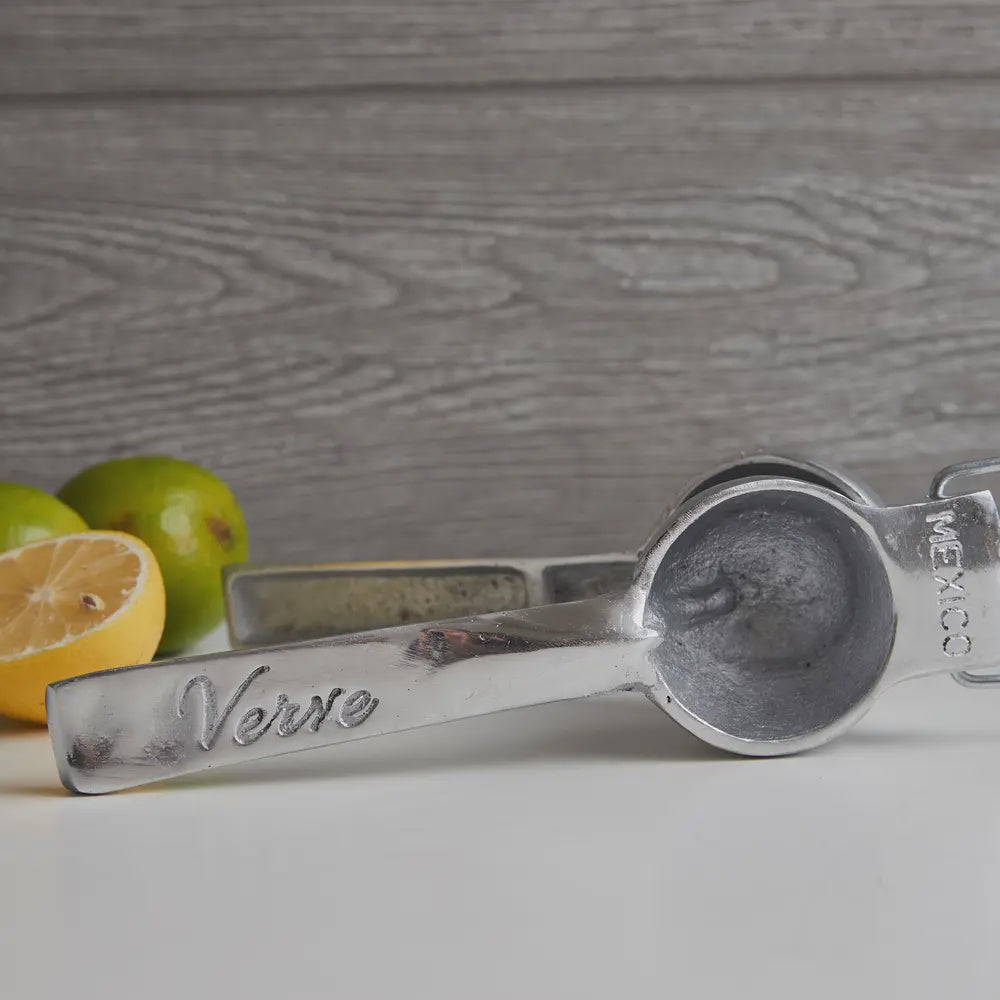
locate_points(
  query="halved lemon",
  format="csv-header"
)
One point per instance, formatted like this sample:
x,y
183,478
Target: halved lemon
x,y
72,605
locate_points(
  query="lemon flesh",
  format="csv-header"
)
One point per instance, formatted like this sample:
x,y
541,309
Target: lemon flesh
x,y
72,605
186,515
29,515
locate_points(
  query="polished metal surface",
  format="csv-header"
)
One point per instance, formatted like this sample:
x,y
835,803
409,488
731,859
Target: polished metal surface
x,y
765,617
140,724
273,605
939,491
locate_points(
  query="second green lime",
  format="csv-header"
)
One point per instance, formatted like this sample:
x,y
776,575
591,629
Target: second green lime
x,y
185,514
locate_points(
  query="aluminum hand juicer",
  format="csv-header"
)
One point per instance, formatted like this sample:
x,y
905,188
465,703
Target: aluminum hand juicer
x,y
765,615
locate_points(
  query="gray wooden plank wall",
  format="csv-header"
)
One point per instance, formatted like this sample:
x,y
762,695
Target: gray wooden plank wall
x,y
437,278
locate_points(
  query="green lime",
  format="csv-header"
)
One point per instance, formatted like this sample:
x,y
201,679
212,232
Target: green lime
x,y
186,515
29,515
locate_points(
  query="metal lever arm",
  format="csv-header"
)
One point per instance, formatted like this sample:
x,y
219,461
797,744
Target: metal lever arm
x,y
127,727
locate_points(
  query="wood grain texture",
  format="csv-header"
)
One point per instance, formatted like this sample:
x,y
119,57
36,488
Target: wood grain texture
x,y
484,323
124,46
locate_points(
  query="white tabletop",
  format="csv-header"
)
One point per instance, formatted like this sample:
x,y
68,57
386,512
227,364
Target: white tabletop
x,y
589,849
